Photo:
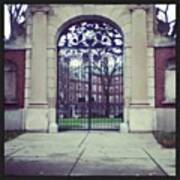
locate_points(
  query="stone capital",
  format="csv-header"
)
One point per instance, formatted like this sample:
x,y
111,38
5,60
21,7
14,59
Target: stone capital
x,y
134,7
39,8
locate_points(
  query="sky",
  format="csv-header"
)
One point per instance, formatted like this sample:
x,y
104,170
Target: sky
x,y
6,23
171,15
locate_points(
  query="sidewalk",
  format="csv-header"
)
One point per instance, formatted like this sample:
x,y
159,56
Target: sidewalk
x,y
82,153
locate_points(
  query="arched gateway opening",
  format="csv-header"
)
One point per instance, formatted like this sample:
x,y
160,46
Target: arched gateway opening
x,y
90,74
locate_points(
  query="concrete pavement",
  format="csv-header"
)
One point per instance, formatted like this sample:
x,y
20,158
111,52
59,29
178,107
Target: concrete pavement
x,y
75,153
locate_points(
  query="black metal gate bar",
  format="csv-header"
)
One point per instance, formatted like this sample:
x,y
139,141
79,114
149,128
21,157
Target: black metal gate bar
x,y
89,92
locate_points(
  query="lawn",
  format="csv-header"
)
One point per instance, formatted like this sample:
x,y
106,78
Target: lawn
x,y
95,122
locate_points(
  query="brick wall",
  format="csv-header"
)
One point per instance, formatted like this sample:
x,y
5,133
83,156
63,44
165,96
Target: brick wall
x,y
162,54
17,57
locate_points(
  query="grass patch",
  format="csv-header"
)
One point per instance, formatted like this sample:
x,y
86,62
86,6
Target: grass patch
x,y
9,135
83,122
166,139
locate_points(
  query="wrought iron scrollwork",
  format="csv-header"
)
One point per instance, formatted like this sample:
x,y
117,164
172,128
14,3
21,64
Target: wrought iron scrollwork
x,y
92,35
97,39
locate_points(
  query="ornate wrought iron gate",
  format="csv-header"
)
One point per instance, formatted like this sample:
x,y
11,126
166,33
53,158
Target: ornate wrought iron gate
x,y
90,75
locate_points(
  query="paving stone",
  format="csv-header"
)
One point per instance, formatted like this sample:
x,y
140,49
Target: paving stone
x,y
166,158
116,166
87,153
39,166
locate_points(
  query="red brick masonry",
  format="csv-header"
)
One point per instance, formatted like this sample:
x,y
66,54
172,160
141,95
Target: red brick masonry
x,y
162,54
18,58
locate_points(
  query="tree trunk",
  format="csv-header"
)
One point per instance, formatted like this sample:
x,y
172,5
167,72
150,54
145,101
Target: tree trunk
x,y
107,103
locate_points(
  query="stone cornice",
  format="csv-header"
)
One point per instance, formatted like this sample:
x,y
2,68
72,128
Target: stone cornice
x,y
39,8
160,41
139,6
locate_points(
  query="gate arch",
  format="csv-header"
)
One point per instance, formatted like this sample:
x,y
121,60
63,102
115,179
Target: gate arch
x,y
90,74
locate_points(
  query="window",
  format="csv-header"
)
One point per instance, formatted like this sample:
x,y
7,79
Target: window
x,y
86,87
170,76
100,88
117,78
112,89
10,83
79,87
95,79
62,95
111,99
92,99
100,98
71,86
117,98
117,88
81,99
95,97
86,98
94,88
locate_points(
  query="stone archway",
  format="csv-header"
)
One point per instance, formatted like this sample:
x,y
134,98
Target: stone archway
x,y
43,25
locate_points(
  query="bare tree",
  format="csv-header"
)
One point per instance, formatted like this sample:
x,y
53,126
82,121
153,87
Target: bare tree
x,y
64,86
164,25
107,72
17,19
